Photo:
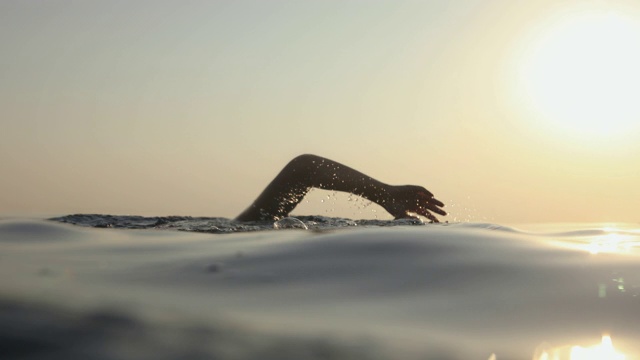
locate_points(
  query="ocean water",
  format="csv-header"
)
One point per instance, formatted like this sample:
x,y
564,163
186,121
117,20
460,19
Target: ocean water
x,y
128,287
219,225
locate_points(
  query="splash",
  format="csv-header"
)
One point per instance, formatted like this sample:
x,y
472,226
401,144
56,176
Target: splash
x,y
289,223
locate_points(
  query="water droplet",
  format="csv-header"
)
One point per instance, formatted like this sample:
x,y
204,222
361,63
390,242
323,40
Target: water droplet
x,y
289,223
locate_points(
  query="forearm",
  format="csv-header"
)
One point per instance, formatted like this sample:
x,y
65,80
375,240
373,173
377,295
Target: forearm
x,y
330,175
304,172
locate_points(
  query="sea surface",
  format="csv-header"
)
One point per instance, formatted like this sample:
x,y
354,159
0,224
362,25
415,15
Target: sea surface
x,y
220,225
311,287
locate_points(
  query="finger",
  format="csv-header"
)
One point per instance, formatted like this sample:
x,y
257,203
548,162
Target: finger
x,y
436,201
435,208
429,197
431,217
424,212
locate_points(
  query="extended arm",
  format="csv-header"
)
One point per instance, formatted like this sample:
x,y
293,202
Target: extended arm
x,y
306,171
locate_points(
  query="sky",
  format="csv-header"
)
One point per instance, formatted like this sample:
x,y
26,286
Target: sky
x,y
509,112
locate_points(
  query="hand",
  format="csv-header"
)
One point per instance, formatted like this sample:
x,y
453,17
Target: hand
x,y
405,199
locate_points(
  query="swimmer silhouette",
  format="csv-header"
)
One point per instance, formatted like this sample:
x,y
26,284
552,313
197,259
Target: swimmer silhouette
x,y
310,171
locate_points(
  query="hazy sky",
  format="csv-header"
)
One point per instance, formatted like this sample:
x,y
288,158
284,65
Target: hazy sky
x,y
509,111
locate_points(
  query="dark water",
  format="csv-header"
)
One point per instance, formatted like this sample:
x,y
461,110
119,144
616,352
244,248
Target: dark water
x,y
219,225
43,332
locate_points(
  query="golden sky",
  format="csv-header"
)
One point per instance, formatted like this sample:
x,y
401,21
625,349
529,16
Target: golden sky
x,y
508,111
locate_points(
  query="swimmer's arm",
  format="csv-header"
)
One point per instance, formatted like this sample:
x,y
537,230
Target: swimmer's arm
x,y
306,171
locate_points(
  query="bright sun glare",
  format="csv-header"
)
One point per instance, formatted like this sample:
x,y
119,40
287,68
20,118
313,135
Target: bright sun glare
x,y
582,74
602,351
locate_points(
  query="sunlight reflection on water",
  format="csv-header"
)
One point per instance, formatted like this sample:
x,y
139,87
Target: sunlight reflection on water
x,y
600,240
603,351
612,242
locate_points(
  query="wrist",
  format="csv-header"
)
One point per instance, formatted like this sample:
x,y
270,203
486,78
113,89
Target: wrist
x,y
385,196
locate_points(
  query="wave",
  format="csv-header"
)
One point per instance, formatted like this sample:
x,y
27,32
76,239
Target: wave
x,y
439,291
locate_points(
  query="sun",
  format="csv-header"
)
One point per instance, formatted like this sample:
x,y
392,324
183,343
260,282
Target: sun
x,y
581,74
